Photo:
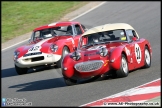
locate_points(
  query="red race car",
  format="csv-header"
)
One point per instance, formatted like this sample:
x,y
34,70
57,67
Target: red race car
x,y
48,45
110,49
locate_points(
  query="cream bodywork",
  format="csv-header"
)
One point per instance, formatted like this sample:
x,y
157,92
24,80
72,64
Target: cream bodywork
x,y
24,62
49,58
108,27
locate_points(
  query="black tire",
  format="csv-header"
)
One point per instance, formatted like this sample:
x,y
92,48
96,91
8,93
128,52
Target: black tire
x,y
113,74
58,63
147,58
70,82
21,71
123,64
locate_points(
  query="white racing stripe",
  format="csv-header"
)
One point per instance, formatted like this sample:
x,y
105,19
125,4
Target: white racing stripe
x,y
33,49
69,20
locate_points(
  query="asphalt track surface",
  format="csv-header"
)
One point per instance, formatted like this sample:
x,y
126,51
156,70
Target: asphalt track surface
x,y
46,87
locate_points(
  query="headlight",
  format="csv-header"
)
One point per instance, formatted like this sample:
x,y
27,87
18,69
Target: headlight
x,y
76,55
103,52
53,48
16,54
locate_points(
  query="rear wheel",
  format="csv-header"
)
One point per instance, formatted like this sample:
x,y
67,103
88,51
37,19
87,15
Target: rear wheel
x,y
64,52
123,71
21,71
70,82
147,58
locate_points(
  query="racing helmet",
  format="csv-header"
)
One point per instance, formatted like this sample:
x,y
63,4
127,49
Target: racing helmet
x,y
69,30
110,34
95,38
122,34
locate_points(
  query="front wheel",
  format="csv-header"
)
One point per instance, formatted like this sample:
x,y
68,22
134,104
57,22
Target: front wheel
x,y
123,71
64,53
70,82
21,71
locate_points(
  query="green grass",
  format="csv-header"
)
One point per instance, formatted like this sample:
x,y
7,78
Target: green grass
x,y
22,17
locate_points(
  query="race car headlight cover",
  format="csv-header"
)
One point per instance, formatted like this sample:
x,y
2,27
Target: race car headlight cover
x,y
16,54
76,55
103,52
54,47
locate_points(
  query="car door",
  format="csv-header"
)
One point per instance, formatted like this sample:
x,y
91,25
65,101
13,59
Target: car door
x,y
136,50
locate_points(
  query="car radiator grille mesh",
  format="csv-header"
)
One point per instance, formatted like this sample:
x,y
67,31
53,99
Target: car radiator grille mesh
x,y
89,66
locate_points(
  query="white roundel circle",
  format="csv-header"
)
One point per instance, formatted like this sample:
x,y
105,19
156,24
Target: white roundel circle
x,y
138,53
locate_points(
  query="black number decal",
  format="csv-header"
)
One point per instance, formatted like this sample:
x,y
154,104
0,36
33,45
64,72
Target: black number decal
x,y
138,52
34,48
31,49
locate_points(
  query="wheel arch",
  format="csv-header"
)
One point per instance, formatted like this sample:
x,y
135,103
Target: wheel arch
x,y
123,52
150,54
115,57
146,45
67,47
149,48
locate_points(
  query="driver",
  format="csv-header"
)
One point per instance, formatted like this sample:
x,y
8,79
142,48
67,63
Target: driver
x,y
95,38
123,36
69,30
47,33
110,35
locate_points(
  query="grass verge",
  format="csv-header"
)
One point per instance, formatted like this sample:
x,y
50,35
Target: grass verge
x,y
21,17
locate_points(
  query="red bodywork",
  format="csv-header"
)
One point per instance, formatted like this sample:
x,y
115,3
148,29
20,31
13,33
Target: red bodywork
x,y
45,47
115,49
60,41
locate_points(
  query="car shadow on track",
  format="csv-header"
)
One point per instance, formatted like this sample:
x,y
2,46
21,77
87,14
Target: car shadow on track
x,y
45,84
96,79
40,85
54,83
8,72
48,84
12,72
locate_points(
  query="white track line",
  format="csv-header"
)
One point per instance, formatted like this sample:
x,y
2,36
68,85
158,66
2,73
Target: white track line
x,y
87,11
15,44
69,20
120,93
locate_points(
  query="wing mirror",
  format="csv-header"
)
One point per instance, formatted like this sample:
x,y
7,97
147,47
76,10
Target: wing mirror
x,y
134,38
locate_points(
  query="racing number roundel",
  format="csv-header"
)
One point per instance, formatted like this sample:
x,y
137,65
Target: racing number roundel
x,y
138,53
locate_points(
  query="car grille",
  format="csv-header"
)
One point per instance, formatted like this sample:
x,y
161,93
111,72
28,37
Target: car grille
x,y
89,66
37,58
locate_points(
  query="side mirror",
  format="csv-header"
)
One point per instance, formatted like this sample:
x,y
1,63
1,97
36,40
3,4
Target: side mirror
x,y
134,38
74,48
